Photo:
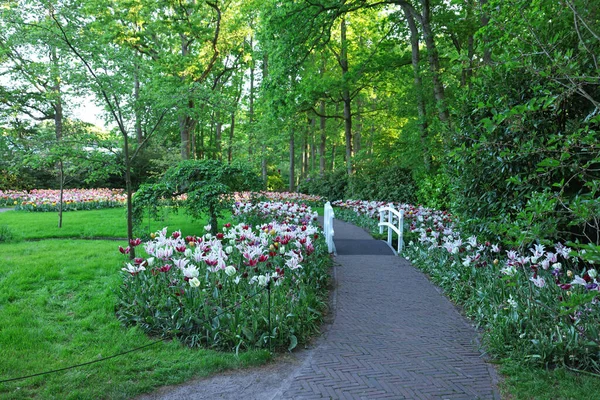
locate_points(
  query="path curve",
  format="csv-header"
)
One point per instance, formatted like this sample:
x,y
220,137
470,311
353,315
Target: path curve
x,y
393,336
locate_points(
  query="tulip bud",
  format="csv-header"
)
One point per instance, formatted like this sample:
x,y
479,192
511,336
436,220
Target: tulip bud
x,y
592,273
230,270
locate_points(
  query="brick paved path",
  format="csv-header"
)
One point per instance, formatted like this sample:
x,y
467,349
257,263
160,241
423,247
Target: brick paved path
x,y
394,335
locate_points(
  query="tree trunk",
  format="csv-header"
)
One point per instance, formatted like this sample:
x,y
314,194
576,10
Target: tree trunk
x,y
485,19
218,134
264,165
186,122
333,157
323,143
467,73
264,160
358,130
200,148
251,135
434,62
230,147
136,95
346,97
421,110
61,179
186,127
312,155
323,125
193,139
129,189
292,159
58,127
304,169
211,137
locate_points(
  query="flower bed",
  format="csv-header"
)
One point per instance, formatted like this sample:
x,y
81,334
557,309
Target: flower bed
x,y
540,304
280,197
213,291
288,212
73,199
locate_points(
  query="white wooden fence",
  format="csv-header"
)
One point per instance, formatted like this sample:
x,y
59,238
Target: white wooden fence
x,y
328,227
387,219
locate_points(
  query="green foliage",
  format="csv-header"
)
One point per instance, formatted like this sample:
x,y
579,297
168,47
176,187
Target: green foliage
x,y
205,186
275,183
382,183
32,153
433,189
524,157
330,185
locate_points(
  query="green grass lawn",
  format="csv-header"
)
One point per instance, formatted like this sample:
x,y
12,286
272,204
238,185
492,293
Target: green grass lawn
x,y
523,382
57,308
93,224
57,301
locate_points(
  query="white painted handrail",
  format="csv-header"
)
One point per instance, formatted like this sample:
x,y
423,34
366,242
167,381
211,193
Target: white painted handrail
x,y
328,227
387,221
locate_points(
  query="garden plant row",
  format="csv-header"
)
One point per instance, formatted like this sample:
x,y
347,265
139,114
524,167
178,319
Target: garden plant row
x,y
259,282
538,304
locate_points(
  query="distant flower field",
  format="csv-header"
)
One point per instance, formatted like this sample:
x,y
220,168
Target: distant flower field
x,y
73,199
91,199
280,196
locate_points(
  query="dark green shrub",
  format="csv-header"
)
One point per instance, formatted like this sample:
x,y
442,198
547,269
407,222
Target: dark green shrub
x,y
525,159
433,190
383,183
330,185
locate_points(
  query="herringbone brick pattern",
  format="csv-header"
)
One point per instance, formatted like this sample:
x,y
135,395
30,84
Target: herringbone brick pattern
x,y
394,336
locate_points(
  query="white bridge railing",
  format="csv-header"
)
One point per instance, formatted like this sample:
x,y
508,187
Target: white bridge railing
x,y
328,227
388,219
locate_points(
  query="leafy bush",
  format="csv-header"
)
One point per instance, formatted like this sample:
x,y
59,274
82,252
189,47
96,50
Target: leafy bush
x,y
201,186
212,291
275,183
331,185
524,155
382,183
433,190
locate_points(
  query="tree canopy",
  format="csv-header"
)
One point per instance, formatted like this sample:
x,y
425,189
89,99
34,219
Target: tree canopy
x,y
489,108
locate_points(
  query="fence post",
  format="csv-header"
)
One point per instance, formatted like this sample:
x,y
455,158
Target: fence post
x,y
328,227
392,212
389,239
400,231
